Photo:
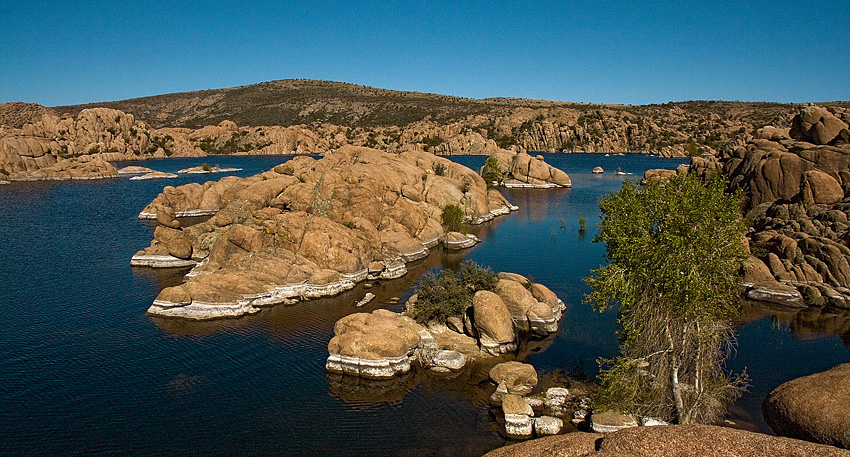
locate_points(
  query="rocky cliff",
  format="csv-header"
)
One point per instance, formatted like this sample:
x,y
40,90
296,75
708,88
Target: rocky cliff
x,y
307,228
77,147
794,182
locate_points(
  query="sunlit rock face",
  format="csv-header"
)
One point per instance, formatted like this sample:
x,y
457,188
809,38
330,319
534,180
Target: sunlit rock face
x,y
307,228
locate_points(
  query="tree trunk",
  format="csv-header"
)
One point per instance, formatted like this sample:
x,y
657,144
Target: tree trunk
x,y
677,394
674,376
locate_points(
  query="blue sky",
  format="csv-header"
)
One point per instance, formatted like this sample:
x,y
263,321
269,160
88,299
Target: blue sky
x,y
57,53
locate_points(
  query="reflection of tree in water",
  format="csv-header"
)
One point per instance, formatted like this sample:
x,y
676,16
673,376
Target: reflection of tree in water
x,y
805,323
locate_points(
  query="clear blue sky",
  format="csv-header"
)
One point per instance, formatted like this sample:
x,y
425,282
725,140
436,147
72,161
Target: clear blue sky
x,y
57,53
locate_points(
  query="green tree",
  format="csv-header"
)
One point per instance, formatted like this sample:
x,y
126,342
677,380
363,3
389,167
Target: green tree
x,y
453,219
490,171
675,250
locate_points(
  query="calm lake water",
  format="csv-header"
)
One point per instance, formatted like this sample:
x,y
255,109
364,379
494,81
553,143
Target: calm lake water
x,y
85,371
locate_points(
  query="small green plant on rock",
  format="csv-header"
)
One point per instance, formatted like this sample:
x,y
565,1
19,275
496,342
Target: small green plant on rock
x,y
439,168
3,171
453,219
206,167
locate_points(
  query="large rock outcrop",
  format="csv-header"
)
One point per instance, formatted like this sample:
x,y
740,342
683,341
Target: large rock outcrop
x,y
523,170
794,193
668,440
39,149
812,408
308,228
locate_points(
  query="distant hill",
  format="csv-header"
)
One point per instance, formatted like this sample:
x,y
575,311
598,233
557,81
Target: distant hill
x,y
309,102
295,101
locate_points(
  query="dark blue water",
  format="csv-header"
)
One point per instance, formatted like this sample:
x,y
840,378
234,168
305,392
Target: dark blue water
x,y
85,371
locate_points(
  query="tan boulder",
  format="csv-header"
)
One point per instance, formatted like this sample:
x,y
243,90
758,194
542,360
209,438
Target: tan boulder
x,y
492,321
668,441
512,276
175,241
519,378
820,188
812,407
518,300
816,125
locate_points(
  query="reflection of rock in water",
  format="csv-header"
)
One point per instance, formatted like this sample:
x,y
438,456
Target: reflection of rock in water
x,y
804,322
354,389
531,343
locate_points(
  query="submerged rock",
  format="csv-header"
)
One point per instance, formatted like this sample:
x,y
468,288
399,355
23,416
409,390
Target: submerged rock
x,y
154,175
134,170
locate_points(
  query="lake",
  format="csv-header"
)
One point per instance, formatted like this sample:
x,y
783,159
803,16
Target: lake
x,y
85,371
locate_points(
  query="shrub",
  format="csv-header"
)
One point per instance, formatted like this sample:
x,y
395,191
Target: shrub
x,y
450,293
491,172
3,171
206,167
582,223
453,219
439,169
440,296
476,277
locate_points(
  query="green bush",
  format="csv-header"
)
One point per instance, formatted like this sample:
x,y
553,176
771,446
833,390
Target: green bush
x,y
439,169
453,219
3,171
450,292
491,172
206,167
476,277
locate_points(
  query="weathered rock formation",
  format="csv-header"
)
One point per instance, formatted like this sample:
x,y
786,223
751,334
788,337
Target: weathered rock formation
x,y
201,169
812,408
535,308
523,170
668,440
307,228
379,345
40,149
794,193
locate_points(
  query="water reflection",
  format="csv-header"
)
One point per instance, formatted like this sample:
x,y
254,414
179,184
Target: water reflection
x,y
805,323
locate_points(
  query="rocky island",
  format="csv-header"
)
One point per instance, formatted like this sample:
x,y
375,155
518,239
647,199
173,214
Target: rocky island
x,y
307,228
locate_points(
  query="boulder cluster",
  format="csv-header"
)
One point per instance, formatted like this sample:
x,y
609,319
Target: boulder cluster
x,y
523,170
307,228
54,147
794,184
384,344
527,413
